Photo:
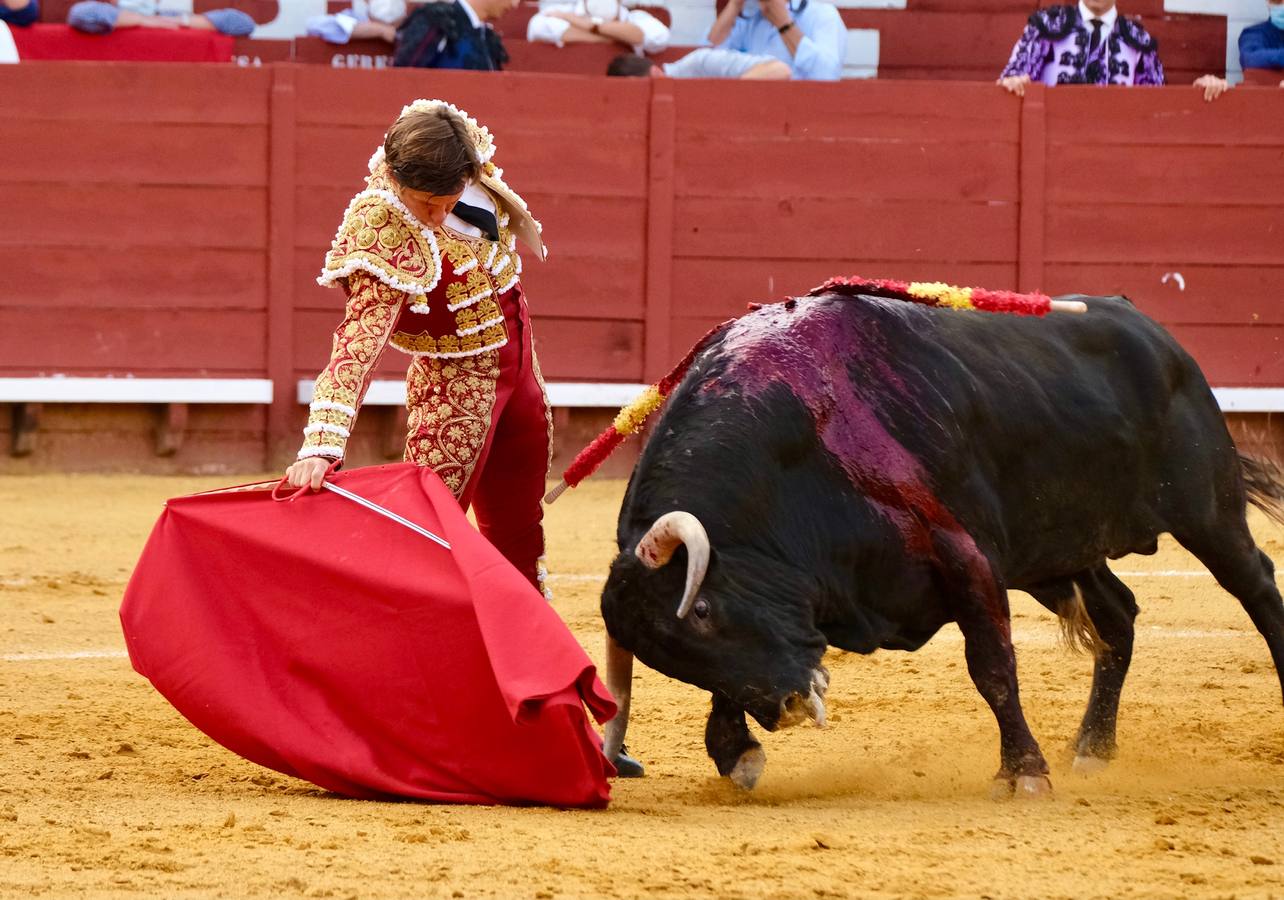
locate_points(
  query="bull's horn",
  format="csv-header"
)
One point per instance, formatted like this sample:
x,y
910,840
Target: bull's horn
x,y
657,546
619,681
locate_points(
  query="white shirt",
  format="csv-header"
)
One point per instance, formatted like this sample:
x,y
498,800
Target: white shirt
x,y
1108,18
550,29
472,16
473,195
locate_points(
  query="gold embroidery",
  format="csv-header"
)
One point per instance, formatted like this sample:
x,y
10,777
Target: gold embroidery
x,y
490,338
450,402
475,284
375,236
369,316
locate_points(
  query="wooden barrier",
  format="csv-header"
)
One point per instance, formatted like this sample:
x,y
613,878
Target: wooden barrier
x,y
167,222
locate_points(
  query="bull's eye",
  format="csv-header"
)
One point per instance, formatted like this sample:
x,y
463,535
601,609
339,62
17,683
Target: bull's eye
x,y
701,608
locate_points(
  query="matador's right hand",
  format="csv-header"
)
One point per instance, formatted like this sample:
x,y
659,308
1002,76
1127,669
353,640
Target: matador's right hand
x,y
308,472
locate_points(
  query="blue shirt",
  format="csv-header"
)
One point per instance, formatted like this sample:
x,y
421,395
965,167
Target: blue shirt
x,y
1261,46
821,51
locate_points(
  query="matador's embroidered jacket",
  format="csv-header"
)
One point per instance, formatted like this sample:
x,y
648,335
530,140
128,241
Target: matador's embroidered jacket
x,y
428,292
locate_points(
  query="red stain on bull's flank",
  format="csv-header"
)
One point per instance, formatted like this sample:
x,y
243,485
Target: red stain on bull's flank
x,y
811,347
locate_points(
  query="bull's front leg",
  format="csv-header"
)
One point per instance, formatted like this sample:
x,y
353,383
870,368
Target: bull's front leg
x,y
981,611
735,751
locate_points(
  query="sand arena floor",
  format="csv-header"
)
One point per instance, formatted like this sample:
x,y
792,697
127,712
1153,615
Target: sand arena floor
x,y
106,791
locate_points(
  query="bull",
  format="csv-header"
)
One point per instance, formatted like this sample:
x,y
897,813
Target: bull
x,y
856,471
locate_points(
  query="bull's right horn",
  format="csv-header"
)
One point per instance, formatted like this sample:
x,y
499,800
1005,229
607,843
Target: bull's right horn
x,y
658,544
619,681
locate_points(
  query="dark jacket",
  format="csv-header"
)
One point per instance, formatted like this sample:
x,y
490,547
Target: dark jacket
x,y
441,36
1261,46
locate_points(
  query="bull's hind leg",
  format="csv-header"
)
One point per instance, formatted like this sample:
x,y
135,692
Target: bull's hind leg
x,y
1228,550
1097,612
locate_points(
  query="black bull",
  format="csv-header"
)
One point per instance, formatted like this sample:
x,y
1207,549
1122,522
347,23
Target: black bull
x,y
858,472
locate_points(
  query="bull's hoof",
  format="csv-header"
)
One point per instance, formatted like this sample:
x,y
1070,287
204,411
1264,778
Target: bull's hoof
x,y
748,768
1033,787
1023,787
1089,765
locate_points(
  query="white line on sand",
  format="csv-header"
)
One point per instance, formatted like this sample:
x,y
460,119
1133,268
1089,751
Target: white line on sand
x,y
45,656
1021,637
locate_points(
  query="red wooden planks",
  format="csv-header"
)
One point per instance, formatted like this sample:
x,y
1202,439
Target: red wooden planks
x,y
114,152
123,216
1199,175
69,278
1182,292
706,288
863,110
1215,235
1132,117
137,341
1236,356
133,92
846,169
818,229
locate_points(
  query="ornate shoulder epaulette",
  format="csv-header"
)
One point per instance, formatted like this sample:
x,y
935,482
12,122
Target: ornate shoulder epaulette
x,y
1135,35
380,236
1055,22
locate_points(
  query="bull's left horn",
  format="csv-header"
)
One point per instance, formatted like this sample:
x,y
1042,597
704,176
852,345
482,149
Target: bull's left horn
x,y
658,544
619,681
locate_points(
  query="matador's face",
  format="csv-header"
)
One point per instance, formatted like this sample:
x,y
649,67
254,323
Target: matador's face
x,y
430,209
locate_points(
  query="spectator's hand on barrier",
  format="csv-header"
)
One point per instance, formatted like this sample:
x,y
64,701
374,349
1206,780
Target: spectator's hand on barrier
x,y
308,472
1213,86
1014,84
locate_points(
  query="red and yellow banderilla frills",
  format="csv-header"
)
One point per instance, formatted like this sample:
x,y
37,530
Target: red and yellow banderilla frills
x,y
632,418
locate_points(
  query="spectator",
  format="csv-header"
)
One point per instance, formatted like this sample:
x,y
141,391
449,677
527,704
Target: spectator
x,y
1089,44
809,35
19,12
453,34
100,17
1261,46
365,19
598,22
706,62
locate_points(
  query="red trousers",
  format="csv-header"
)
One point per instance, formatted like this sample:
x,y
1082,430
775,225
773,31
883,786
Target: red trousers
x,y
483,424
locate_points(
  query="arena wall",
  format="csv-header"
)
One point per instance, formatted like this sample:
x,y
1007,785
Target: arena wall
x,y
168,221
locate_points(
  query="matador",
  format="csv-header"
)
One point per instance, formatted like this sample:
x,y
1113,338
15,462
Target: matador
x,y
449,296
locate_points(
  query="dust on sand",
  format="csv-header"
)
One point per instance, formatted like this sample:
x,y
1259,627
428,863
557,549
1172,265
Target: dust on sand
x,y
106,791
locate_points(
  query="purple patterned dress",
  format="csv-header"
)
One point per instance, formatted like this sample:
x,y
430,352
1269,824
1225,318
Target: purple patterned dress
x,y
1054,49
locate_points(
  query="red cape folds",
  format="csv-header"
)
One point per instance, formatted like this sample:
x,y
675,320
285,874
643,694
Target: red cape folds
x,y
323,640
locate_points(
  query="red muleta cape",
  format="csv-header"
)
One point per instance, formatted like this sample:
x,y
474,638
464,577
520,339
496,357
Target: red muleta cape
x,y
323,640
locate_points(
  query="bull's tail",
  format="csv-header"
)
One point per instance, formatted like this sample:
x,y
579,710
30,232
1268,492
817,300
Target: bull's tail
x,y
1077,631
1264,483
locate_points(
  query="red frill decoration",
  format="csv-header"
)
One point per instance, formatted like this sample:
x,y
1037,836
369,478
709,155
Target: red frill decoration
x,y
592,456
1032,304
586,462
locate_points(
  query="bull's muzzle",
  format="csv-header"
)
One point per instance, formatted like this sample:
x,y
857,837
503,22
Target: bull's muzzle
x,y
798,707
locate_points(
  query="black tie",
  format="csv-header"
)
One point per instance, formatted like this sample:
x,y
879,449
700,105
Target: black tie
x,y
1096,36
479,218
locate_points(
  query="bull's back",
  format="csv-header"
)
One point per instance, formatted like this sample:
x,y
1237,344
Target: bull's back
x,y
1050,440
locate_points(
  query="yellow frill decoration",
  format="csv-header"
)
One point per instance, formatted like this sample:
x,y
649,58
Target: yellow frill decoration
x,y
630,419
942,294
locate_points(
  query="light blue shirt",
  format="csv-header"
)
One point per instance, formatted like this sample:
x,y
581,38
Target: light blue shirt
x,y
821,51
